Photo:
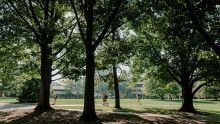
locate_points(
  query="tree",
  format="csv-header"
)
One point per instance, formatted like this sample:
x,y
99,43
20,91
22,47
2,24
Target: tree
x,y
112,53
76,87
17,62
50,30
159,88
172,89
174,48
212,92
155,88
93,28
28,92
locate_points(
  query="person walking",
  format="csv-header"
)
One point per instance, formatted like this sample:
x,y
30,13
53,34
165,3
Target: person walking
x,y
104,99
138,99
55,100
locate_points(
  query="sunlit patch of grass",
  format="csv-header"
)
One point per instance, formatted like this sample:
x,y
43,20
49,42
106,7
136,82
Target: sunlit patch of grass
x,y
7,100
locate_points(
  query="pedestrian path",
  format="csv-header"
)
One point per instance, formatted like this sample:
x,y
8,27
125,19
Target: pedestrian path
x,y
10,106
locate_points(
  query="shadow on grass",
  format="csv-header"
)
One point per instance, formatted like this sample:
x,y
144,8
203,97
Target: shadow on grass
x,y
147,110
2,115
129,116
203,116
122,118
72,117
48,117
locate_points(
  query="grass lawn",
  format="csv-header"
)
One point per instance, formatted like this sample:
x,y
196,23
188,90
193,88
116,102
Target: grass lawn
x,y
200,105
7,100
151,110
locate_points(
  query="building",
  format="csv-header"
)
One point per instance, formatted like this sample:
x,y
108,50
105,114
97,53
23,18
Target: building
x,y
60,90
138,89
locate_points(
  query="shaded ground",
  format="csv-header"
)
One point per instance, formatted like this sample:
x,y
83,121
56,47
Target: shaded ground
x,y
26,116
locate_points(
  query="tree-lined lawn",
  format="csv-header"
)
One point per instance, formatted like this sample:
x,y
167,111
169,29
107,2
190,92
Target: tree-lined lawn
x,y
150,108
200,105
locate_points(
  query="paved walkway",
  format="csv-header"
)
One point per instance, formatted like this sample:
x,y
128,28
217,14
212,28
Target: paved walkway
x,y
9,106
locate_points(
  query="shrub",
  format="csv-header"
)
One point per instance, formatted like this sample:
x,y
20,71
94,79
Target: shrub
x,y
28,92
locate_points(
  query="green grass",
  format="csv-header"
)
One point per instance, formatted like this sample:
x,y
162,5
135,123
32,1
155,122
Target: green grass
x,y
201,105
209,110
7,100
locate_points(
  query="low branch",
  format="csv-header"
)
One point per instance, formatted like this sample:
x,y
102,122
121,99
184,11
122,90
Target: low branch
x,y
200,86
58,72
59,78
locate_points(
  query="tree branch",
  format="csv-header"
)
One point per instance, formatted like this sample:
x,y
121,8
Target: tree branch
x,y
202,31
59,78
58,71
15,10
200,86
67,51
34,16
108,23
169,69
40,4
78,21
67,41
46,11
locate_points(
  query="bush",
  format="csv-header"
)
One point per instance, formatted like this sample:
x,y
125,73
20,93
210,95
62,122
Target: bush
x,y
28,92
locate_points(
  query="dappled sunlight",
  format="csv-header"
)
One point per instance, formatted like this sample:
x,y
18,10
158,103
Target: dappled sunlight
x,y
121,116
150,111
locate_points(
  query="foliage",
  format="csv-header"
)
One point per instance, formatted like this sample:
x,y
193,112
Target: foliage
x,y
174,48
76,87
28,91
205,17
212,91
154,88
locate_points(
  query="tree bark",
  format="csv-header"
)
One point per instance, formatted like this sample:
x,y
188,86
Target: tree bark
x,y
161,97
187,99
117,96
46,73
89,102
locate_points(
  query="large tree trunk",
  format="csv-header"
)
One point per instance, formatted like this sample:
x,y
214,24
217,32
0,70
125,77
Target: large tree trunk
x,y
187,99
117,97
89,102
46,72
